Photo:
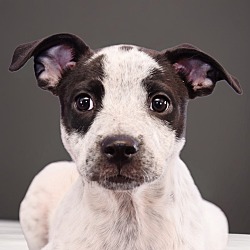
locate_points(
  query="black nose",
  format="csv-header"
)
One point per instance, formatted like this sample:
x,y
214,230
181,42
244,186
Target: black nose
x,y
119,149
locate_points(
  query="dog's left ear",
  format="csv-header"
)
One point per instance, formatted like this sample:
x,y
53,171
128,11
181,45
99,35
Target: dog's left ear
x,y
53,56
199,71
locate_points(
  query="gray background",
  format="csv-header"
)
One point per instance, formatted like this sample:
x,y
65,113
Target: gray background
x,y
217,148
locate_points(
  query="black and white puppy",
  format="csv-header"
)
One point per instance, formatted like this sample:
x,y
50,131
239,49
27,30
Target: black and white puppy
x,y
123,116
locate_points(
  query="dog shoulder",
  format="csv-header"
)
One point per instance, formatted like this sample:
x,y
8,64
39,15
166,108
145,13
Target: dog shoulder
x,y
54,179
53,172
44,194
216,226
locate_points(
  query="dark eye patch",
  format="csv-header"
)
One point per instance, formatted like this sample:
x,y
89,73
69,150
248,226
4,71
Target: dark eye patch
x,y
158,88
81,121
174,116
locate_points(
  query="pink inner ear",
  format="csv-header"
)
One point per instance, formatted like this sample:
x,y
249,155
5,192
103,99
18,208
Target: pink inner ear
x,y
62,55
55,61
195,72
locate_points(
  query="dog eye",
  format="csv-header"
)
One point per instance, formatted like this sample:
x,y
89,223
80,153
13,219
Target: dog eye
x,y
83,102
159,103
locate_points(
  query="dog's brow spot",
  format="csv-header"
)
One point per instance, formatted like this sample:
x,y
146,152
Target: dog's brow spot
x,y
126,47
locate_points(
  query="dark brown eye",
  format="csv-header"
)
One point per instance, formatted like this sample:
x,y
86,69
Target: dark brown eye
x,y
159,103
83,102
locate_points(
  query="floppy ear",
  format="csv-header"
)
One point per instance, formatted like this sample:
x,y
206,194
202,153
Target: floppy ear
x,y
199,71
53,56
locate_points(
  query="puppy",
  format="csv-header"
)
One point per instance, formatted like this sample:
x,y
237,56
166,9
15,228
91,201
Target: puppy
x,y
123,119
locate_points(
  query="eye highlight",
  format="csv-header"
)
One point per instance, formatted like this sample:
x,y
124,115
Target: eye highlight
x,y
84,102
159,103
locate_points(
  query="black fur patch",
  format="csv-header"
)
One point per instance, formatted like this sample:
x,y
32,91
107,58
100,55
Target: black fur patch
x,y
168,82
86,78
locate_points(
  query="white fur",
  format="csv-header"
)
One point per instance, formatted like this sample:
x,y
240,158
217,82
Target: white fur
x,y
166,213
44,194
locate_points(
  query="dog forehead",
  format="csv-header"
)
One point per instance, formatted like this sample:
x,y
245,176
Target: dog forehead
x,y
125,63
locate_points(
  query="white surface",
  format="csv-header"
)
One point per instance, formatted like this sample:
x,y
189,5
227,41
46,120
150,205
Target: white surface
x,y
239,242
11,238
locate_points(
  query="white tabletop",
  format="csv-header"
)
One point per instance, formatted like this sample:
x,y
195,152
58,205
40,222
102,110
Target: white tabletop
x,y
11,238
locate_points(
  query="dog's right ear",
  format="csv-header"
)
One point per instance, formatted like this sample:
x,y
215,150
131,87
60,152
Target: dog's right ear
x,y
53,56
199,71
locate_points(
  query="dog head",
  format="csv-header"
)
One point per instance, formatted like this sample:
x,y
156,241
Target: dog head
x,y
123,108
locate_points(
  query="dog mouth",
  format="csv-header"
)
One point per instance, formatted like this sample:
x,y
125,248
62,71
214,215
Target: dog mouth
x,y
119,179
120,182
